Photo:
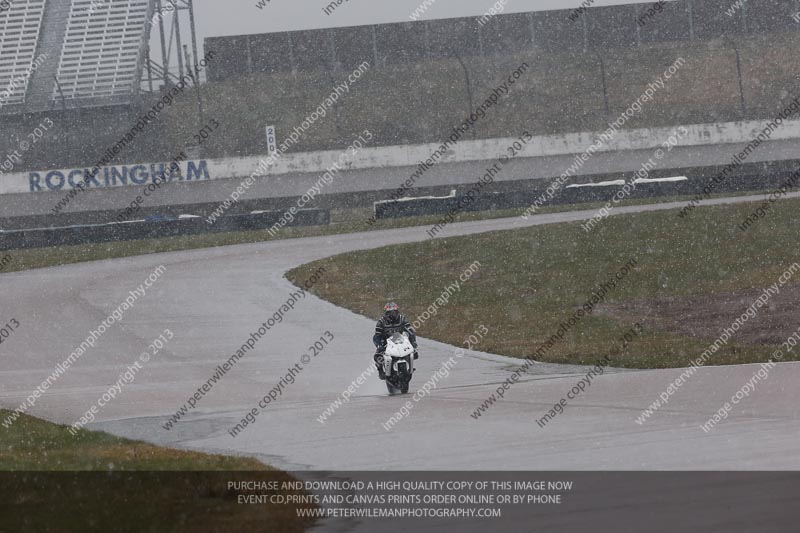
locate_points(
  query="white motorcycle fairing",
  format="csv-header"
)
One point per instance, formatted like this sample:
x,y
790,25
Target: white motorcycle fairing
x,y
398,362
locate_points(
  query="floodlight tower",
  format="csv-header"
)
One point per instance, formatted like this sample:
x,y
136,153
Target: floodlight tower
x,y
175,15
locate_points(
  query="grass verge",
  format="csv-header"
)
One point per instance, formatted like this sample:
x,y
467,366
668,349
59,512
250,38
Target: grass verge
x,y
53,481
533,279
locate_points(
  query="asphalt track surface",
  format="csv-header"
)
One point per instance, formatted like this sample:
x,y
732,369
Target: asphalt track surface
x,y
213,298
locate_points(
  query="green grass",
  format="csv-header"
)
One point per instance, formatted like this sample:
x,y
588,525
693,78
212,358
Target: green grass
x,y
34,444
53,481
533,278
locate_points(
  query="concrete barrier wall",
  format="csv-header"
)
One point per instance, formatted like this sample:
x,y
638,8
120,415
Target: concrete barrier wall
x,y
394,156
483,201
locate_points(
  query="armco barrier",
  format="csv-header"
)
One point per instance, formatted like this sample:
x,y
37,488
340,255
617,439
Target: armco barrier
x,y
483,201
106,216
151,229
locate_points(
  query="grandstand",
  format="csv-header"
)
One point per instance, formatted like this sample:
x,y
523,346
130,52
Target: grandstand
x,y
107,67
20,26
86,66
71,53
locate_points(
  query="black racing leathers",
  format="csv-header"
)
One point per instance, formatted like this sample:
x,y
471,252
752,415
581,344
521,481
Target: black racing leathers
x,y
385,328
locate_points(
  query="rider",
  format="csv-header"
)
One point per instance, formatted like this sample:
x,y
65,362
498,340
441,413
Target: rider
x,y
390,323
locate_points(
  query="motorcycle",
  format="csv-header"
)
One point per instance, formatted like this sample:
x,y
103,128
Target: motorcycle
x,y
398,363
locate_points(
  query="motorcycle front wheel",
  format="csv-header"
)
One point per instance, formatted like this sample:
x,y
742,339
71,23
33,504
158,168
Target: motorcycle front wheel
x,y
403,382
392,389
